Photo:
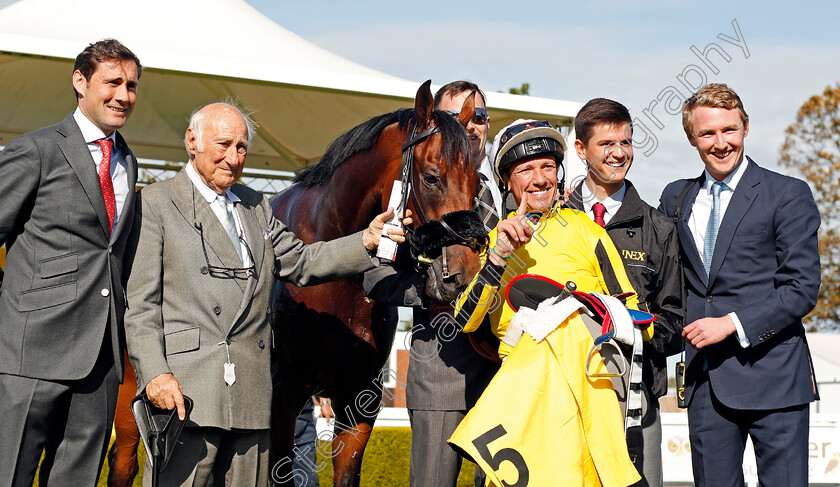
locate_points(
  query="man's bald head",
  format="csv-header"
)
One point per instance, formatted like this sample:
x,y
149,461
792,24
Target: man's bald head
x,y
217,141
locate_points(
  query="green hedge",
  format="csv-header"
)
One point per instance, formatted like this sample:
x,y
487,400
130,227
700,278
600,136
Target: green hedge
x,y
386,461
103,477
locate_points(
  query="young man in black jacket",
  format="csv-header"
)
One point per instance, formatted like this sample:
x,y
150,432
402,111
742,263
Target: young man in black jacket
x,y
648,243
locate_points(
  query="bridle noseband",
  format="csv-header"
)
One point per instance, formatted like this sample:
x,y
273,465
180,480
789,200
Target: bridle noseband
x,y
466,236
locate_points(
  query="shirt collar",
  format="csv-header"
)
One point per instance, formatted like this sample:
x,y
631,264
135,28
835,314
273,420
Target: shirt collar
x,y
612,202
90,132
486,169
731,180
206,191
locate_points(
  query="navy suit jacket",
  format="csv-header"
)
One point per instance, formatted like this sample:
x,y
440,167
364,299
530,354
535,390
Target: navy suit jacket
x,y
766,268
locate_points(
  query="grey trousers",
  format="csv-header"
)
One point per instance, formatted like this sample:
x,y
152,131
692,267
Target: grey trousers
x,y
652,453
236,458
433,462
68,421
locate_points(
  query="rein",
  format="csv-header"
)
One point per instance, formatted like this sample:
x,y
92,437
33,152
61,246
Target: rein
x,y
408,186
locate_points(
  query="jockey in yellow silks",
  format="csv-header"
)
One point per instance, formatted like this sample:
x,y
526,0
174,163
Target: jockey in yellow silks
x,y
543,422
540,237
566,246
540,409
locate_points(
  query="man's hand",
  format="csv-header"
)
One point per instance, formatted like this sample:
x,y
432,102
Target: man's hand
x,y
326,409
165,392
511,233
708,331
374,231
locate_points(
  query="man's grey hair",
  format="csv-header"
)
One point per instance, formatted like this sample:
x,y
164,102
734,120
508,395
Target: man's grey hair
x,y
196,126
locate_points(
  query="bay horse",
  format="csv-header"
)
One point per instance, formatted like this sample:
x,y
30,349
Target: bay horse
x,y
332,340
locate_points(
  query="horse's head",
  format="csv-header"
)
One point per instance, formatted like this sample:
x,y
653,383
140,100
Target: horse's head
x,y
444,184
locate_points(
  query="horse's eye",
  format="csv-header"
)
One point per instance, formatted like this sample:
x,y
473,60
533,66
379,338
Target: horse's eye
x,y
430,180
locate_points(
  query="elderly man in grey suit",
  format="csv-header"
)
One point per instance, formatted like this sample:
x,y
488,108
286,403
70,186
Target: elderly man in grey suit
x,y
206,253
66,209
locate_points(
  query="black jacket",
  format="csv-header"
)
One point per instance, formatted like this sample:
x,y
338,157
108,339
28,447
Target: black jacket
x,y
649,246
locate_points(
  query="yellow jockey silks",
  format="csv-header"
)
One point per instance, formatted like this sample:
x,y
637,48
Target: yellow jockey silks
x,y
542,423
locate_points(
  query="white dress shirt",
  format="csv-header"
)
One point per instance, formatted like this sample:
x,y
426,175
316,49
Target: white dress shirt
x,y
611,203
699,220
231,199
487,170
119,168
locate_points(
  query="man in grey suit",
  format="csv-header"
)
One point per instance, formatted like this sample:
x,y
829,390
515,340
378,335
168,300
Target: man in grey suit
x,y
66,211
205,255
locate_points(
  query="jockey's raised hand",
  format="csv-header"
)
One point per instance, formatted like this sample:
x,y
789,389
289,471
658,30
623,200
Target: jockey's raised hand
x,y
512,233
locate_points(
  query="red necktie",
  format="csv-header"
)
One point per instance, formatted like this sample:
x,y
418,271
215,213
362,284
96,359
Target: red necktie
x,y
598,210
105,180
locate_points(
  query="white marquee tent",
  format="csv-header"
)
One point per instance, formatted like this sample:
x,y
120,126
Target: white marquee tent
x,y
195,52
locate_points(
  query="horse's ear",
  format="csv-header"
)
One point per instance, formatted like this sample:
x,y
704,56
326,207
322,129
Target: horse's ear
x,y
423,104
467,110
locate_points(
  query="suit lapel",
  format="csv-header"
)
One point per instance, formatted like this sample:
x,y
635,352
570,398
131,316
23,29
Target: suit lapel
x,y
254,237
77,154
189,201
686,237
741,201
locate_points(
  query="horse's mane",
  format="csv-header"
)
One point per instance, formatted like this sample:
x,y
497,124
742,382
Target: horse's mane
x,y
364,136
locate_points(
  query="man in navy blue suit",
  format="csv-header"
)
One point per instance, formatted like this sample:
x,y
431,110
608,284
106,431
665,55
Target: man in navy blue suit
x,y
748,239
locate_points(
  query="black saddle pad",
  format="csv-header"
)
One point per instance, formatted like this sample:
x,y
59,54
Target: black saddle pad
x,y
529,290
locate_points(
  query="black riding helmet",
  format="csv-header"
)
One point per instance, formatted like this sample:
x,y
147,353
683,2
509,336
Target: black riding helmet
x,y
524,140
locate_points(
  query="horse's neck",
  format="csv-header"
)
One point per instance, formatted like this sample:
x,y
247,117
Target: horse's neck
x,y
355,194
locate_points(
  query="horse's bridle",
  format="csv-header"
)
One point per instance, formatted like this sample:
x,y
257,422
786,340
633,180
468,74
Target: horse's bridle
x,y
407,168
408,187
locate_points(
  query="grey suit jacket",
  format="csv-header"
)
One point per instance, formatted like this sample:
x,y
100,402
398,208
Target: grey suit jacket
x,y
445,373
64,276
183,319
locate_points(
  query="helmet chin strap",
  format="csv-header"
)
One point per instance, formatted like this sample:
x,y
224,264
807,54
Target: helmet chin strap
x,y
561,181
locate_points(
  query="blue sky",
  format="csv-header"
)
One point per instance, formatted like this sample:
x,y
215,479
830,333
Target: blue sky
x,y
577,51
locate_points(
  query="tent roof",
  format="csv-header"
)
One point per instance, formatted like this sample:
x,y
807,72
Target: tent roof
x,y
304,96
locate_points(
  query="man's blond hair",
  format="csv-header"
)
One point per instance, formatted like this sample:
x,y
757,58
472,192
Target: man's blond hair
x,y
716,95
